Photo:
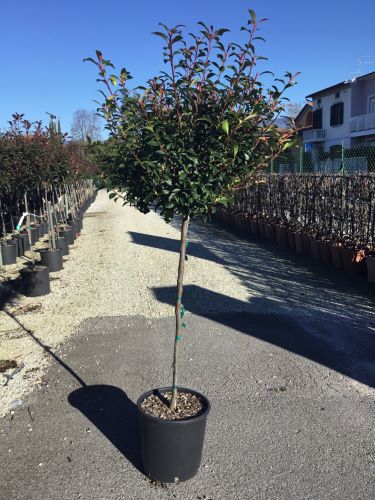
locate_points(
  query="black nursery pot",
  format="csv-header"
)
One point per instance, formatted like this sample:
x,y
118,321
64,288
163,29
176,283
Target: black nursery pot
x,y
53,259
20,247
63,244
69,233
45,227
34,235
41,230
9,254
172,449
25,241
35,281
79,223
75,228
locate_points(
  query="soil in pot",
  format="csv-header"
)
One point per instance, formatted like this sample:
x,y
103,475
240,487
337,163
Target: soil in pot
x,y
282,237
63,244
53,259
172,448
314,249
370,262
9,254
35,281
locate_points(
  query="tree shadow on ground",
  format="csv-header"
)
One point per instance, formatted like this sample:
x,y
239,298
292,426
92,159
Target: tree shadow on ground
x,y
110,410
105,406
337,345
195,249
266,270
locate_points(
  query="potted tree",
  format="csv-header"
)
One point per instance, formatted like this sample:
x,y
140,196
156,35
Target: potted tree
x,y
184,143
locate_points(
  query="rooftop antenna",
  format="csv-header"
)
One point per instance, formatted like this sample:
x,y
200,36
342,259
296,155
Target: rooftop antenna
x,y
362,60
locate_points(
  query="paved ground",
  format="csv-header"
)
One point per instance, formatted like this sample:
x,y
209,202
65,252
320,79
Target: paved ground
x,y
288,364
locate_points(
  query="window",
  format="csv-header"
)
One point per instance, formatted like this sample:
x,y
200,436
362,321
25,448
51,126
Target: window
x,y
337,114
318,118
319,101
371,104
337,95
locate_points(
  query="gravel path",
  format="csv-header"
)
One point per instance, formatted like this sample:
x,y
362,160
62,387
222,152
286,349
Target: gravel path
x,y
284,349
104,275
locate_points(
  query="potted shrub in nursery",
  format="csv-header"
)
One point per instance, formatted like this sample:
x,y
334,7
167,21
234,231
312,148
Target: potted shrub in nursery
x,y
198,131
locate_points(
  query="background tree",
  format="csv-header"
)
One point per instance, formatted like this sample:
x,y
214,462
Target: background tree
x,y
85,126
199,130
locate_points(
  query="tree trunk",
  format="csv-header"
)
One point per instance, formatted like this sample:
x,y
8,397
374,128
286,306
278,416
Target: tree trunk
x,y
180,281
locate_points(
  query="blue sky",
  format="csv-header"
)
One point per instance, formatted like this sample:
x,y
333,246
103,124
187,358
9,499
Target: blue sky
x,y
43,43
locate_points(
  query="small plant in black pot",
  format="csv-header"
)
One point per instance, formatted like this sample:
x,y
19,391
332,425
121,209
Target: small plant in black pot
x,y
185,142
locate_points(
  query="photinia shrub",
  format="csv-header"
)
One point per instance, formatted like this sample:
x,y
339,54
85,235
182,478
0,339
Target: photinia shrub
x,y
197,131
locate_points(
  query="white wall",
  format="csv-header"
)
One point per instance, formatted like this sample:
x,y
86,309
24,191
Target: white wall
x,y
336,134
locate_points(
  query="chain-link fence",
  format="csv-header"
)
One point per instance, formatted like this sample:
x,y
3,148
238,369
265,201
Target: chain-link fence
x,y
339,159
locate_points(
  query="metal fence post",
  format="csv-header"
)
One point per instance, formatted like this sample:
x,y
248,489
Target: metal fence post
x,y
342,164
300,159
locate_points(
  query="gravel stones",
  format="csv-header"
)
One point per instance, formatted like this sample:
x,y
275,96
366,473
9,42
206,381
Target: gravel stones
x,y
188,406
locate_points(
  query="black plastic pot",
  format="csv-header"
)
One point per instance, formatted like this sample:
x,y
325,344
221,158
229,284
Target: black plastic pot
x,y
172,449
69,233
25,241
63,244
41,230
75,228
35,281
34,234
79,223
44,224
53,259
9,254
19,243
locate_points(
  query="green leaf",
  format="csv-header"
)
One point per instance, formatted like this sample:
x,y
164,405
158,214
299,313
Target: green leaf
x,y
158,33
113,80
225,126
90,59
235,150
112,195
253,15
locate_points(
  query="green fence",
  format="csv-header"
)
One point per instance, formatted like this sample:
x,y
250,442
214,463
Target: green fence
x,y
339,159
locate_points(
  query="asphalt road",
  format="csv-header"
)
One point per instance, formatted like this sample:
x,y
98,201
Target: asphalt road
x,y
283,348
284,425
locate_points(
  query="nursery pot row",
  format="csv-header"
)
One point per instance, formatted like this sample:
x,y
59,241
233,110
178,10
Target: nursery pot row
x,y
326,252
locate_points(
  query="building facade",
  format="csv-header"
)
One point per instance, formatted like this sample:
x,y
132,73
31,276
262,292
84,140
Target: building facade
x,y
343,116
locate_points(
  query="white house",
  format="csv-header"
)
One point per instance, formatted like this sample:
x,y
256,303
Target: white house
x,y
343,114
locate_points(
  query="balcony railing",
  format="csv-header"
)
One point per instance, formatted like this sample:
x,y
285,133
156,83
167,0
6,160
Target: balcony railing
x,y
362,123
314,135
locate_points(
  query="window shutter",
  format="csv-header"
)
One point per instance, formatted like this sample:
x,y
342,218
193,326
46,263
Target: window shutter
x,y
337,114
341,112
317,118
